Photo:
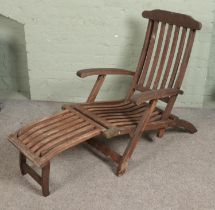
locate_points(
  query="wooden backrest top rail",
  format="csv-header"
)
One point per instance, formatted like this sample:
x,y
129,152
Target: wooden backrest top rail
x,y
173,18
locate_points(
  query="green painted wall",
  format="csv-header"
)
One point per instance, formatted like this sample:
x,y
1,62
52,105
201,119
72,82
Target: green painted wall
x,y
209,99
13,58
65,36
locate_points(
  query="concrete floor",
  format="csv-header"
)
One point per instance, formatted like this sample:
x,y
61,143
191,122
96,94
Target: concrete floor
x,y
176,172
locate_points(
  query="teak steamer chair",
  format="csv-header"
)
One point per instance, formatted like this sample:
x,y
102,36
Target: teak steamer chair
x,y
159,74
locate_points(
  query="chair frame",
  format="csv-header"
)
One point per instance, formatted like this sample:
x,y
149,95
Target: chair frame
x,y
148,95
167,95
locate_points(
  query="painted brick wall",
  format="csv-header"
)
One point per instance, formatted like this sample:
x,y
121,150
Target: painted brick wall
x,y
209,99
64,36
13,59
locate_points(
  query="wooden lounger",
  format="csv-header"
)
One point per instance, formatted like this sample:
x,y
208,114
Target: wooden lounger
x,y
159,74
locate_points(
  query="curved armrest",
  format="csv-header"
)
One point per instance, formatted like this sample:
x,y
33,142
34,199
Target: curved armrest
x,y
103,71
154,95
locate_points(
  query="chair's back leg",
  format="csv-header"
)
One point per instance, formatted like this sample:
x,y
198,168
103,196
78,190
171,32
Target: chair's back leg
x,y
166,114
134,139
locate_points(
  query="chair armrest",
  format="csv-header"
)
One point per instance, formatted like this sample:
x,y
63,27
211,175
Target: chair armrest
x,y
103,71
154,95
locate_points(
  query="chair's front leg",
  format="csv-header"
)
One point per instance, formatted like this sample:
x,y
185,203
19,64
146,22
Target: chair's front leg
x,y
45,179
42,180
22,161
123,165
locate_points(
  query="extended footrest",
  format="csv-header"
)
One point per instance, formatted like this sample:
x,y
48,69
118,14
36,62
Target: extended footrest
x,y
43,140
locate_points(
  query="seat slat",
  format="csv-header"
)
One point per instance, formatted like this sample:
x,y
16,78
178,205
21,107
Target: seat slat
x,y
155,118
68,144
133,119
122,124
121,116
43,125
137,112
118,109
128,110
45,119
105,106
126,115
93,117
130,119
55,133
49,128
78,130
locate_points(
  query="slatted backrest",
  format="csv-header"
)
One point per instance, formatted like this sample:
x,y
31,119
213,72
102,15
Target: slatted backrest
x,y
166,51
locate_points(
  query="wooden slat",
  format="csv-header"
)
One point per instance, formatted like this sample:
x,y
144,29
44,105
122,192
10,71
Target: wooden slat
x,y
44,124
126,123
31,125
65,137
31,156
38,142
137,112
178,57
126,129
127,110
130,116
145,48
45,130
118,109
51,133
102,106
130,119
171,56
103,103
68,144
163,58
149,54
155,118
156,57
88,119
142,58
93,117
185,59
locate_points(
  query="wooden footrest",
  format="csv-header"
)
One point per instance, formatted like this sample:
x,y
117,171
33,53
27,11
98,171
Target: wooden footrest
x,y
43,140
